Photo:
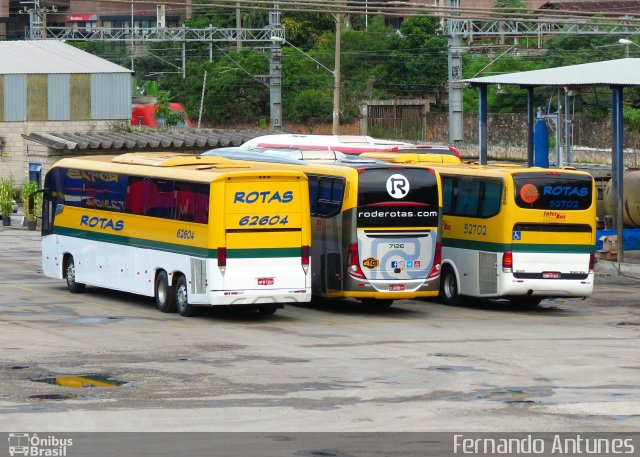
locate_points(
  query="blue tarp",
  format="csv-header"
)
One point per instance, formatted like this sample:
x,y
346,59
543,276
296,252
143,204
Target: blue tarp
x,y
631,238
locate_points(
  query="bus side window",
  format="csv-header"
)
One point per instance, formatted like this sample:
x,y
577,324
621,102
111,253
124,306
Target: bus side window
x,y
491,199
161,199
468,198
330,191
137,192
192,202
447,195
313,194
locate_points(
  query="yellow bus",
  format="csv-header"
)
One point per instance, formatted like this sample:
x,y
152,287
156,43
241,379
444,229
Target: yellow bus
x,y
190,231
512,232
375,226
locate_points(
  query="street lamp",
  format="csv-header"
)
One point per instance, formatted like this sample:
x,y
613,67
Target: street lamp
x,y
626,43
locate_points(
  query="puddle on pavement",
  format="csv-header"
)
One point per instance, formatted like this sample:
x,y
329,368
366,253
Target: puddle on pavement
x,y
513,397
81,382
54,397
455,369
321,453
95,320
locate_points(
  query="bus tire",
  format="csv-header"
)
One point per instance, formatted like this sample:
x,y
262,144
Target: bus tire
x,y
525,301
449,292
267,310
165,295
182,298
70,273
377,302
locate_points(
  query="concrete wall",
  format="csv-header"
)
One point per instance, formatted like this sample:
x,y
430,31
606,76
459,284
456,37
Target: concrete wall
x,y
507,138
16,152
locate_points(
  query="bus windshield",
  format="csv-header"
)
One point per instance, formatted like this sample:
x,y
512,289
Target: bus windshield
x,y
552,190
410,198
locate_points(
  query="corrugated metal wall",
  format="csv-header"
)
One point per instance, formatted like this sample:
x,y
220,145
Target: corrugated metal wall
x,y
80,97
58,98
111,95
63,97
1,97
15,98
37,97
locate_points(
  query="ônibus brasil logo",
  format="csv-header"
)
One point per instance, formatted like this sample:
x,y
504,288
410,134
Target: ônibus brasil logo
x,y
397,186
33,445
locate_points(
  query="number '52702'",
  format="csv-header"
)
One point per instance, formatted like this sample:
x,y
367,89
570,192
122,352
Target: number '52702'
x,y
475,229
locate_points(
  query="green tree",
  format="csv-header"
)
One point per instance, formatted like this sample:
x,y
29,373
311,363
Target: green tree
x,y
418,61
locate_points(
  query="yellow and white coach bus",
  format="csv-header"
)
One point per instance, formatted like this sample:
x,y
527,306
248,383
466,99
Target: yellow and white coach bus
x,y
513,232
375,227
187,231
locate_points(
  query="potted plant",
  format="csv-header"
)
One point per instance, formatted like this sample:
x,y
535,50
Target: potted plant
x,y
31,212
6,199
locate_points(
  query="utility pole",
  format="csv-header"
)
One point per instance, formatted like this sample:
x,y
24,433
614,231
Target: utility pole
x,y
275,72
238,28
336,80
454,58
37,19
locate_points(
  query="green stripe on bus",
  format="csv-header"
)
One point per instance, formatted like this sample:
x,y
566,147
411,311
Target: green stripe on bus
x,y
518,247
178,248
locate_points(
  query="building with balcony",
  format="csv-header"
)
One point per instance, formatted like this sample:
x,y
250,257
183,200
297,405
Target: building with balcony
x,y
15,16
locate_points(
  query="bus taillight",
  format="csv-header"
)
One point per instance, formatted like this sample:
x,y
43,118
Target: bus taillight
x,y
592,262
507,262
304,258
222,259
353,263
437,260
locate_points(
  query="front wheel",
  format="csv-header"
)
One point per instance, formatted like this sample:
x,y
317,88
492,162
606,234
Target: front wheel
x,y
70,272
525,301
182,300
449,288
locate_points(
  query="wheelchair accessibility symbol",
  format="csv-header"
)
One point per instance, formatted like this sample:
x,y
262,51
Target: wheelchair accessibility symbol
x,y
516,236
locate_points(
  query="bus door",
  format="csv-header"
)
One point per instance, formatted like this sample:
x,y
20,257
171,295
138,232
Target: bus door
x,y
267,233
397,218
558,226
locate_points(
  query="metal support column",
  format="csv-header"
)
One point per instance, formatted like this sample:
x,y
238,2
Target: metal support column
x,y
482,118
530,125
275,73
617,168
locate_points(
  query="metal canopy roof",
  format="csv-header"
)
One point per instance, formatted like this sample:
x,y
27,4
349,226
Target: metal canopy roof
x,y
49,56
620,72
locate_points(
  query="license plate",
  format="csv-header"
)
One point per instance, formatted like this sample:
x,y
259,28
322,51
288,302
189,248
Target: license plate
x,y
265,281
396,287
551,275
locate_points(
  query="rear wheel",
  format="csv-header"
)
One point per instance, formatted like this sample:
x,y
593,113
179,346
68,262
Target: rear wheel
x,y
267,310
525,301
70,272
377,303
182,300
449,287
165,295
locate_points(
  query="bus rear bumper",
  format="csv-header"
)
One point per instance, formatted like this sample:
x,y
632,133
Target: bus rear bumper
x,y
257,297
548,288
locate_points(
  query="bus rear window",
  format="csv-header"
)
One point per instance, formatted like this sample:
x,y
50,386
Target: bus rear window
x,y
406,197
557,191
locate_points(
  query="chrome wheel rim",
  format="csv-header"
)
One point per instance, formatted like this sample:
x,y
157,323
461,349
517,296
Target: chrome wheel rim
x,y
71,273
181,297
450,286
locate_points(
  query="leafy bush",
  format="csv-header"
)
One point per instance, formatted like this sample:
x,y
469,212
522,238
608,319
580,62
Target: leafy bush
x,y
29,188
7,192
